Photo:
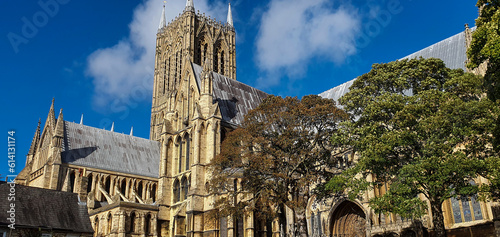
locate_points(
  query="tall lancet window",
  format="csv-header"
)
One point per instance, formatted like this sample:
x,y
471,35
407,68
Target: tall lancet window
x,y
180,146
466,209
216,61
222,63
165,81
184,189
167,75
205,48
187,140
176,66
177,191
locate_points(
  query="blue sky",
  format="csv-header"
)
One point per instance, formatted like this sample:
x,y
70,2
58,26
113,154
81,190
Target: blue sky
x,y
96,57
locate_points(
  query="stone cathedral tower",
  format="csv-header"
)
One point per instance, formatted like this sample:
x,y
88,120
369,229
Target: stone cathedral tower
x,y
189,38
196,100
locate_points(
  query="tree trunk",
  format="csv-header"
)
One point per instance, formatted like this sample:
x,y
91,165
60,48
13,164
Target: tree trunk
x,y
438,219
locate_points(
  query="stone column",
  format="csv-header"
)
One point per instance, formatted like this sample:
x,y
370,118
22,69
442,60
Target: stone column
x,y
111,186
122,223
142,224
248,224
154,225
231,227
195,144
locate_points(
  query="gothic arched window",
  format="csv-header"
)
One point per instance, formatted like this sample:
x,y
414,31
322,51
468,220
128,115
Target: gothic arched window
x,y
72,178
110,223
222,62
147,225
180,146
165,79
187,142
177,191
465,209
184,189
216,61
205,49
132,222
197,59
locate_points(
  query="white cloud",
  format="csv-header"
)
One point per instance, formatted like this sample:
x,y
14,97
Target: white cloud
x,y
127,67
292,32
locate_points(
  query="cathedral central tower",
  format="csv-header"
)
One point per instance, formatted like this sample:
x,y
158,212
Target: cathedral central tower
x,y
189,38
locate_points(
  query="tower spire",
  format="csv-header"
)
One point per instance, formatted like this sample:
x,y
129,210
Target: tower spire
x,y
229,16
163,21
189,5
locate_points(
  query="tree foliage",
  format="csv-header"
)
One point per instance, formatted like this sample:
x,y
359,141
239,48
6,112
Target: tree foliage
x,y
485,48
485,45
419,127
281,150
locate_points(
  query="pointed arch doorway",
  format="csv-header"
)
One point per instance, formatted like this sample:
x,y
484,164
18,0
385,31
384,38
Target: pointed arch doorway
x,y
348,220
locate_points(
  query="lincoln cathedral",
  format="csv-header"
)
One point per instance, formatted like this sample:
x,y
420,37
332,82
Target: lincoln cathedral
x,y
157,187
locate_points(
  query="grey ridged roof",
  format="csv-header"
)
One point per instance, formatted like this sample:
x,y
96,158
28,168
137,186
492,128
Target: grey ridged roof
x,y
338,91
451,50
235,98
45,208
98,148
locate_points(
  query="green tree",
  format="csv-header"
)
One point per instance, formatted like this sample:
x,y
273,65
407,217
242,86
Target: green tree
x,y
281,150
485,48
485,45
419,127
